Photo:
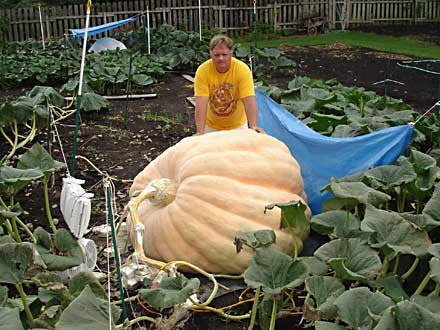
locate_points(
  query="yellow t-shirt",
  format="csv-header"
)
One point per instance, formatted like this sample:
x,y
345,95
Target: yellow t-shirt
x,y
225,91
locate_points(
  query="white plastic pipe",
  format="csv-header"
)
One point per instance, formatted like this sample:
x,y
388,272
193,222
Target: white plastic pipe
x,y
200,20
148,30
41,26
83,57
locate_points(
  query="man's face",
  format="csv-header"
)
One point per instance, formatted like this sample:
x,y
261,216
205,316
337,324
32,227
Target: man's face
x,y
221,56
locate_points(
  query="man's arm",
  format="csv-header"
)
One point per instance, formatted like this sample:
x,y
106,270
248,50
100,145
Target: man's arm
x,y
250,106
200,113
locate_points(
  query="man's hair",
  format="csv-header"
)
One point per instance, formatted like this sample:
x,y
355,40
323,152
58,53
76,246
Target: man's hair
x,y
221,39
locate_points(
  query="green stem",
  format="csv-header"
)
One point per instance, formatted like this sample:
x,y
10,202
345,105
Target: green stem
x,y
273,317
27,310
436,291
396,263
386,264
47,206
7,138
15,229
347,219
136,320
15,143
26,229
412,269
423,284
254,309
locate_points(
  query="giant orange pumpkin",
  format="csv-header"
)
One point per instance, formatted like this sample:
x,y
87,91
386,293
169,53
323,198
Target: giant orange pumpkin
x,y
219,184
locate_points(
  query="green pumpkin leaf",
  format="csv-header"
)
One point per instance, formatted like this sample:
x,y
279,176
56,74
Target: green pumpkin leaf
x,y
434,249
38,158
391,286
391,230
293,215
15,261
431,211
10,319
340,224
274,271
16,179
324,290
431,303
83,279
434,264
359,191
93,102
352,258
321,325
3,295
408,315
170,292
357,306
87,312
315,266
255,239
64,254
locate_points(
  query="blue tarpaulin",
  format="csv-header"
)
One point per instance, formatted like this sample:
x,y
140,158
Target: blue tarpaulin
x,y
322,157
79,33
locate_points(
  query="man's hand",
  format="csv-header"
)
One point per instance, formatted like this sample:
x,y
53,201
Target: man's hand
x,y
258,129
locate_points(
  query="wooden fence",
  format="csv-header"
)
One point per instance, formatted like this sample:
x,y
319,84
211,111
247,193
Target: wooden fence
x,y
234,17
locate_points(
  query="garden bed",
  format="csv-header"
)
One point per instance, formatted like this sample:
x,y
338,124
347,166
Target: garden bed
x,y
124,145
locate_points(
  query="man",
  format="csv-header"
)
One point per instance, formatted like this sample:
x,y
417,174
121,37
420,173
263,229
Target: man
x,y
224,91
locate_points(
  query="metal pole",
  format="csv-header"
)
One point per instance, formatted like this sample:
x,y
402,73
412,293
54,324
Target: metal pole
x,y
78,97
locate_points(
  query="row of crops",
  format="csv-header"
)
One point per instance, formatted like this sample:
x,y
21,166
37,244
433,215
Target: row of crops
x,y
380,266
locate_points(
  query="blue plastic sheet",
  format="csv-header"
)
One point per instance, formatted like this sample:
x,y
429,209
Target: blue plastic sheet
x,y
79,33
322,157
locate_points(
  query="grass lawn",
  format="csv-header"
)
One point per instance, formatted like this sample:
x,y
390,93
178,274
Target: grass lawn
x,y
385,43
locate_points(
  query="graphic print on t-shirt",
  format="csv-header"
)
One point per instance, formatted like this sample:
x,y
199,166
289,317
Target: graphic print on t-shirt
x,y
222,100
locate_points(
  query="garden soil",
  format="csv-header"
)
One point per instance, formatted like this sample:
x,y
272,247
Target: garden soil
x,y
123,143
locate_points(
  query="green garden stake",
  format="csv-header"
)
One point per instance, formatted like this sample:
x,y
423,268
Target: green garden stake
x,y
438,98
115,245
49,132
128,91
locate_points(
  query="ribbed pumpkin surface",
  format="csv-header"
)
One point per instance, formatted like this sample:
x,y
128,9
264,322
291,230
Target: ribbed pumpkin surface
x,y
224,181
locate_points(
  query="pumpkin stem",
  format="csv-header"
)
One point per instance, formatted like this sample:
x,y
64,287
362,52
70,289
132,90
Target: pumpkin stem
x,y
159,192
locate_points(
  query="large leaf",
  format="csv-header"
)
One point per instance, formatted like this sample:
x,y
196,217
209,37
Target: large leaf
x,y
10,319
340,224
431,211
41,94
13,179
358,306
83,279
65,252
255,239
391,230
320,325
37,157
408,315
170,292
390,176
274,271
87,312
93,102
434,264
15,261
324,290
293,215
359,191
390,285
350,258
